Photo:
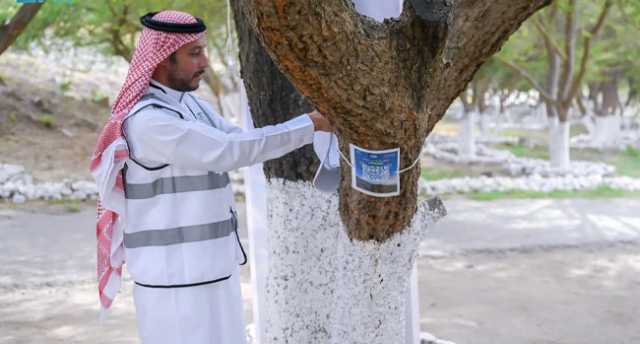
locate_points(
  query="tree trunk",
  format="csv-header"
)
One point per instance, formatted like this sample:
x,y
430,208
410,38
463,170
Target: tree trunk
x,y
606,103
272,99
467,135
607,130
383,85
559,149
10,32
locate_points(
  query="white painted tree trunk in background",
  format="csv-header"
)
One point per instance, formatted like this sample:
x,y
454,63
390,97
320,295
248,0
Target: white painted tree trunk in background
x,y
467,135
589,123
559,144
484,122
324,288
607,130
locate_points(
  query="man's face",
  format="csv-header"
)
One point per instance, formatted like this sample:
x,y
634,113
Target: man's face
x,y
186,70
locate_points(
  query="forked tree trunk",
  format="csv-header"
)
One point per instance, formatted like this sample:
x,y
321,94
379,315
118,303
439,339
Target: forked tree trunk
x,y
383,85
323,287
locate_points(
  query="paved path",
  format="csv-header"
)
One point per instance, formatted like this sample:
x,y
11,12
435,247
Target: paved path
x,y
533,224
509,271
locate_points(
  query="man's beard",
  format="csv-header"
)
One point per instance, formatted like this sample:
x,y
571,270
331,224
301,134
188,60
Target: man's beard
x,y
183,84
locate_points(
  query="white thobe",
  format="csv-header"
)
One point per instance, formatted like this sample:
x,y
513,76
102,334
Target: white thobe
x,y
210,313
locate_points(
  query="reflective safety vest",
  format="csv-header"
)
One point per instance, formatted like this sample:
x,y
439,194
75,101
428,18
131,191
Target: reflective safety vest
x,y
181,226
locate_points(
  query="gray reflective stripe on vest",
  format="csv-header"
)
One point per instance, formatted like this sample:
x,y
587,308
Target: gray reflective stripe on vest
x,y
172,236
176,184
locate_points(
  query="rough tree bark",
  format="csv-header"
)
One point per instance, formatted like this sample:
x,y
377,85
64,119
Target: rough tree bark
x,y
9,32
382,85
273,99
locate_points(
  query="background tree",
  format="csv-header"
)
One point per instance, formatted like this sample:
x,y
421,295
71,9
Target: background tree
x,y
474,107
14,21
567,30
112,27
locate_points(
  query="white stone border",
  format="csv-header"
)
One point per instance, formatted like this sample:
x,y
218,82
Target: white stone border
x,y
530,183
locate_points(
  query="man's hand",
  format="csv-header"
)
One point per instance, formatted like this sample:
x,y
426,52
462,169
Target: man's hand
x,y
320,122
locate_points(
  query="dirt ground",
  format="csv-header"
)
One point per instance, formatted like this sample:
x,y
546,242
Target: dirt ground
x,y
565,296
51,134
587,293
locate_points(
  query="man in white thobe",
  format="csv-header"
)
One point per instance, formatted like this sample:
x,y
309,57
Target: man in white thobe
x,y
175,220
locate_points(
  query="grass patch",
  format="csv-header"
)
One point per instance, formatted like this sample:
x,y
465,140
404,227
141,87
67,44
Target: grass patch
x,y
536,135
628,163
439,173
602,192
48,120
521,151
69,205
577,129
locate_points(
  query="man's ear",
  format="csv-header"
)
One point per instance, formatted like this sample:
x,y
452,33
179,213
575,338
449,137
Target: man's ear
x,y
164,63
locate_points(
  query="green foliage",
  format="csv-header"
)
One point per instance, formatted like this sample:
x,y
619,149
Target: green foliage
x,y
536,152
616,47
110,25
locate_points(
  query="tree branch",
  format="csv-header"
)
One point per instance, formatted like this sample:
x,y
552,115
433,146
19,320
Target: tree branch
x,y
477,31
549,41
523,73
586,52
568,67
10,32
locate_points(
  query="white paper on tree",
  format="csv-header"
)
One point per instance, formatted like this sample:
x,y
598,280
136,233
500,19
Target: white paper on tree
x,y
327,178
375,173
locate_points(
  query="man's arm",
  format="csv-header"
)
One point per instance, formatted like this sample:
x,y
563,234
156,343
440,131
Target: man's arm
x,y
319,121
159,137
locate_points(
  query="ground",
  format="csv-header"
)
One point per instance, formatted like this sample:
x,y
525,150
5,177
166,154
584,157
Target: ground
x,y
568,296
572,278
42,127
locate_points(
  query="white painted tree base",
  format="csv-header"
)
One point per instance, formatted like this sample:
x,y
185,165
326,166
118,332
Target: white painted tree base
x,y
559,145
467,136
607,131
324,288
